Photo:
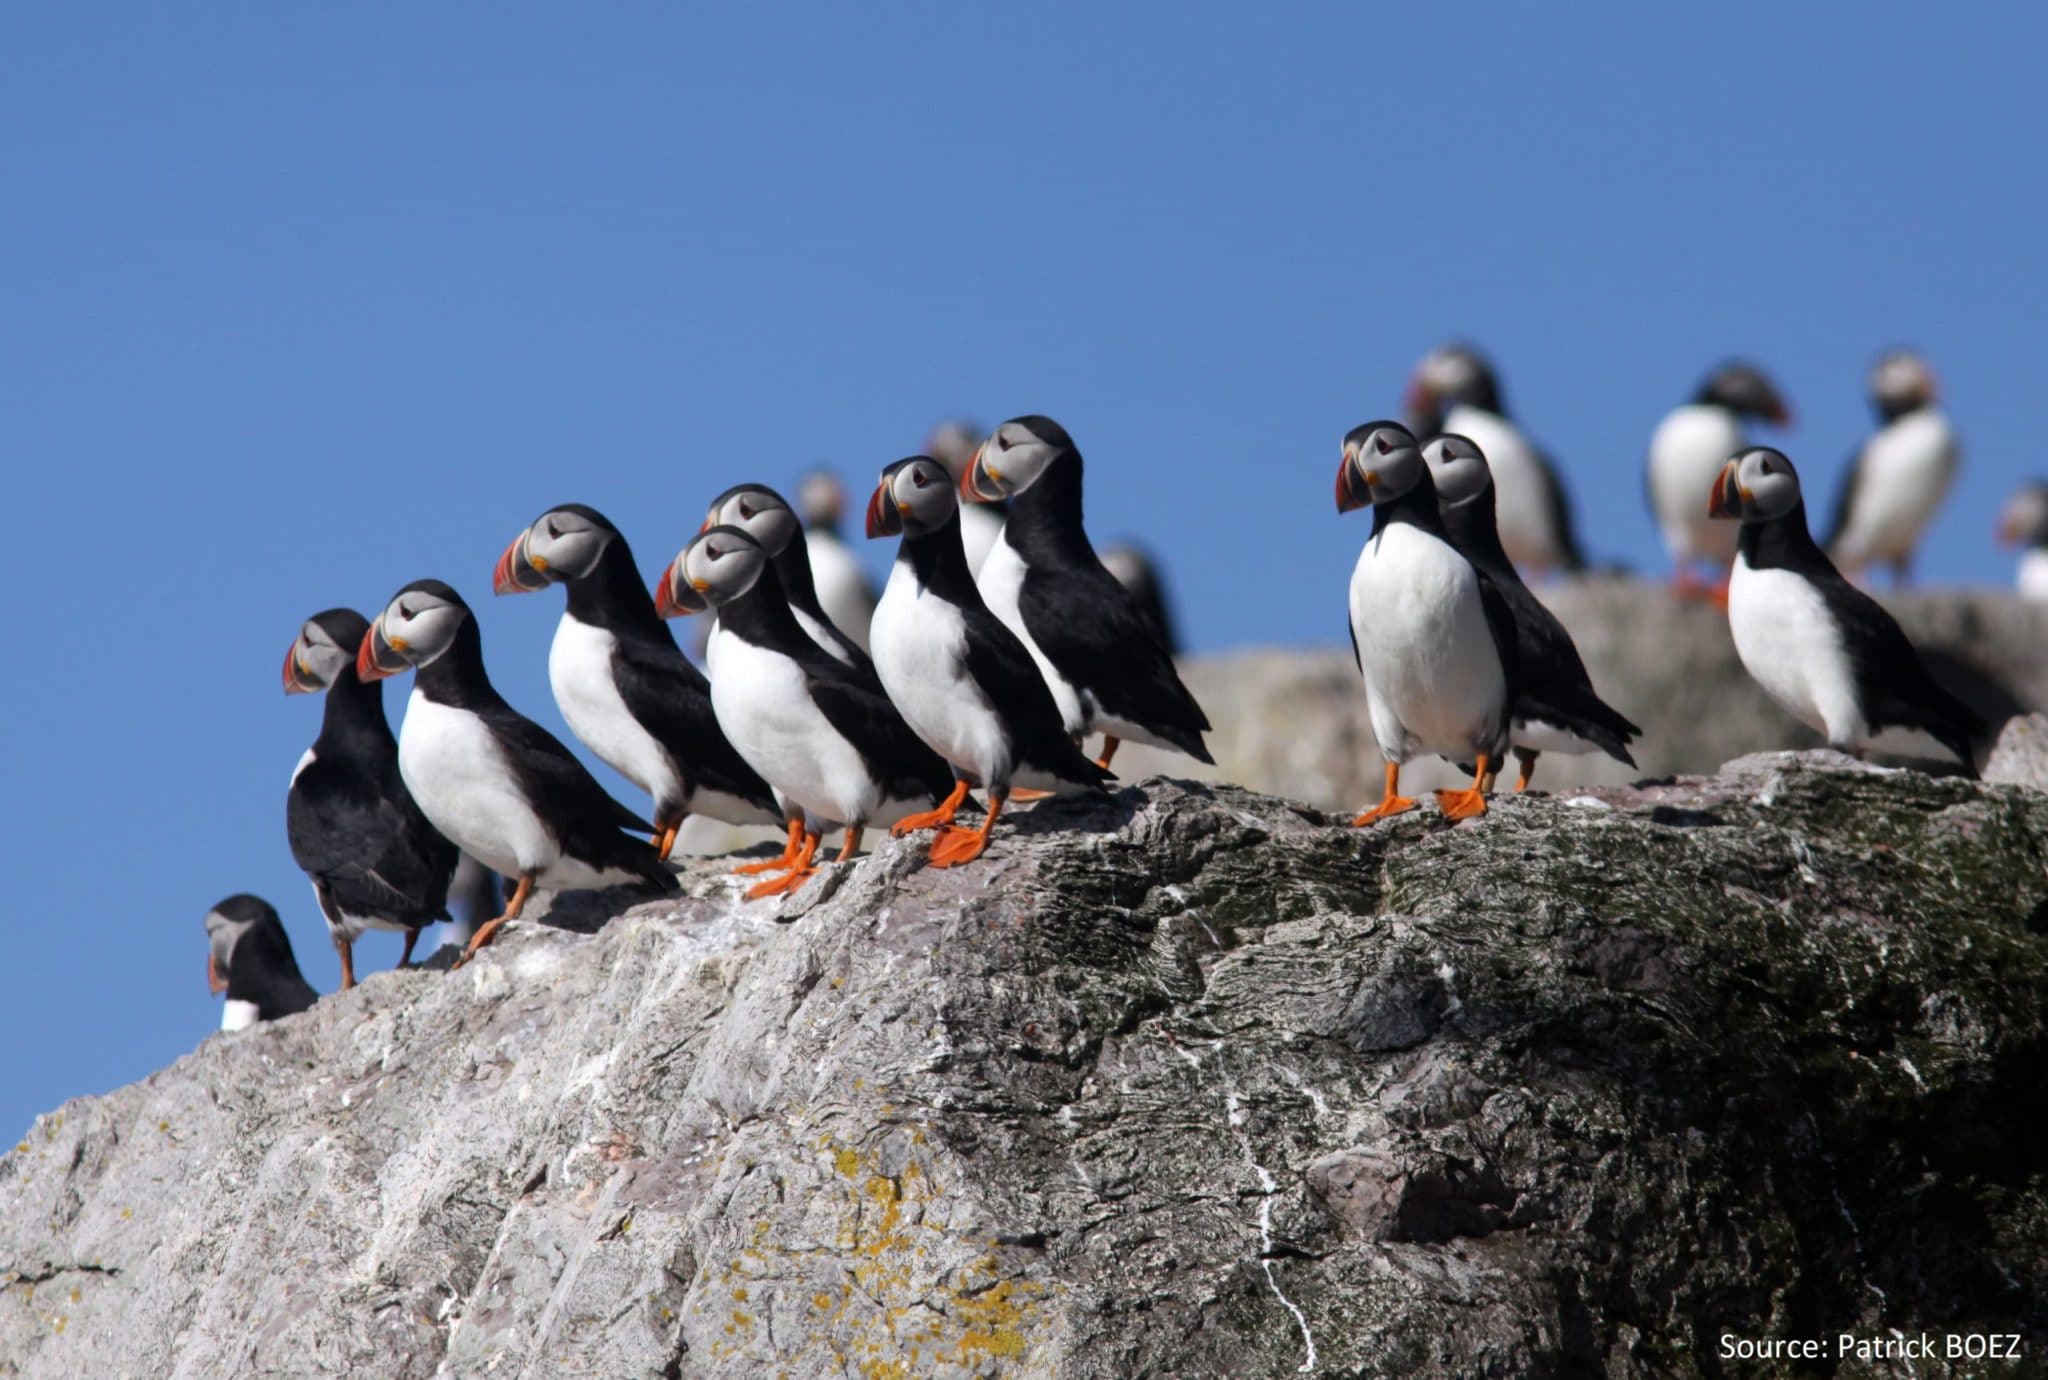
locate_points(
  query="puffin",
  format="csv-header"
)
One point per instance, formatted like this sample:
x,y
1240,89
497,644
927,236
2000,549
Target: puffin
x,y
1818,645
2023,522
843,588
1137,572
1900,475
502,788
623,686
1688,449
1455,389
824,735
1434,640
374,860
962,680
766,516
1107,666
249,957
1555,708
953,443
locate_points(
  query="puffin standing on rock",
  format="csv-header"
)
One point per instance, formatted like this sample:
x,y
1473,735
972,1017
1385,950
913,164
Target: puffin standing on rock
x,y
823,735
1455,390
1555,709
249,957
1899,477
1434,639
1688,449
963,681
499,785
374,860
625,688
764,515
1818,645
1107,667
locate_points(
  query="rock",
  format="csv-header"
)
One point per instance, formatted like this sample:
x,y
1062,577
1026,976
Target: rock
x,y
1294,722
2020,757
1195,1083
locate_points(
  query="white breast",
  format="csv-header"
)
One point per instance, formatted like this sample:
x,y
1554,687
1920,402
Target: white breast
x,y
766,710
1791,646
239,1015
1433,679
920,650
580,672
1903,475
1001,582
2032,582
457,773
817,633
980,525
842,586
1522,498
1687,452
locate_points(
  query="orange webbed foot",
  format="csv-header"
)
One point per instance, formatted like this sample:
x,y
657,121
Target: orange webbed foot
x,y
1466,804
1388,807
789,881
957,846
1029,793
940,818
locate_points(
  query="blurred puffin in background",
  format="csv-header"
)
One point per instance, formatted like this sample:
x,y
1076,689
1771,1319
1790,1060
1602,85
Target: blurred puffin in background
x,y
844,590
249,958
2023,522
1898,478
1687,450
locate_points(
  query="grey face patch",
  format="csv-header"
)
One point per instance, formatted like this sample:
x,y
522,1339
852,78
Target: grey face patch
x,y
1458,469
762,515
1902,380
420,626
924,495
1386,462
1770,486
320,659
722,564
566,545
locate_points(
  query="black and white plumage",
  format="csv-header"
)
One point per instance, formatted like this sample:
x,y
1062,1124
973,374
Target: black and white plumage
x,y
766,516
1898,478
823,734
1137,572
953,444
1818,645
1434,640
2023,522
1555,707
844,591
1454,389
249,958
1688,449
495,783
1108,668
374,860
962,680
624,687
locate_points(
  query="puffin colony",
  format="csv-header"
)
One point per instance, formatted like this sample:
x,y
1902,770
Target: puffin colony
x,y
1003,644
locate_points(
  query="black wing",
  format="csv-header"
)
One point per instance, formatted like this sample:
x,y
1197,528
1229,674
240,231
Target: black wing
x,y
1552,682
358,833
903,762
589,824
1845,501
1001,665
1089,627
672,700
1894,685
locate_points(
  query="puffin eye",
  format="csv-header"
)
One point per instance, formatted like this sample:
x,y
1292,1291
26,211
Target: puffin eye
x,y
404,614
1381,444
746,511
917,478
1003,442
553,531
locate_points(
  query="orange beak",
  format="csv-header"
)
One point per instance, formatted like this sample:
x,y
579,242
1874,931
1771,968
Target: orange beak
x,y
884,518
296,681
1353,491
216,981
516,572
377,658
1726,499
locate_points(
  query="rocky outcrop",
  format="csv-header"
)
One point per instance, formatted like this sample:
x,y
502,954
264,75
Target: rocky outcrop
x,y
1294,723
1197,1083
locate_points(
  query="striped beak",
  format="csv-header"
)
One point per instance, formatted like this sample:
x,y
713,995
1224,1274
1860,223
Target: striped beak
x,y
1354,491
297,679
518,571
380,656
885,514
675,597
1726,499
981,482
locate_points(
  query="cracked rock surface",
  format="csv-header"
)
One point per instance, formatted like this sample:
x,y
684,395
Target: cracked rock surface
x,y
1199,1083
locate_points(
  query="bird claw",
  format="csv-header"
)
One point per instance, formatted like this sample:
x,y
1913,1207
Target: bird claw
x,y
777,886
957,846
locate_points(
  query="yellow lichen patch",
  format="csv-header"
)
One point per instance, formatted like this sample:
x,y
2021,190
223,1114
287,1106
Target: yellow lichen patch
x,y
740,1319
822,1300
740,1295
21,1149
847,1162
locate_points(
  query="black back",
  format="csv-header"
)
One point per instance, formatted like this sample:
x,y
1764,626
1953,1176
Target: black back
x,y
1086,622
582,815
1893,686
1551,680
662,689
793,570
998,662
852,702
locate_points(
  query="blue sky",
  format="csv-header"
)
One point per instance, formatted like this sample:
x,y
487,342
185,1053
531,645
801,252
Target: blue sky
x,y
301,304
